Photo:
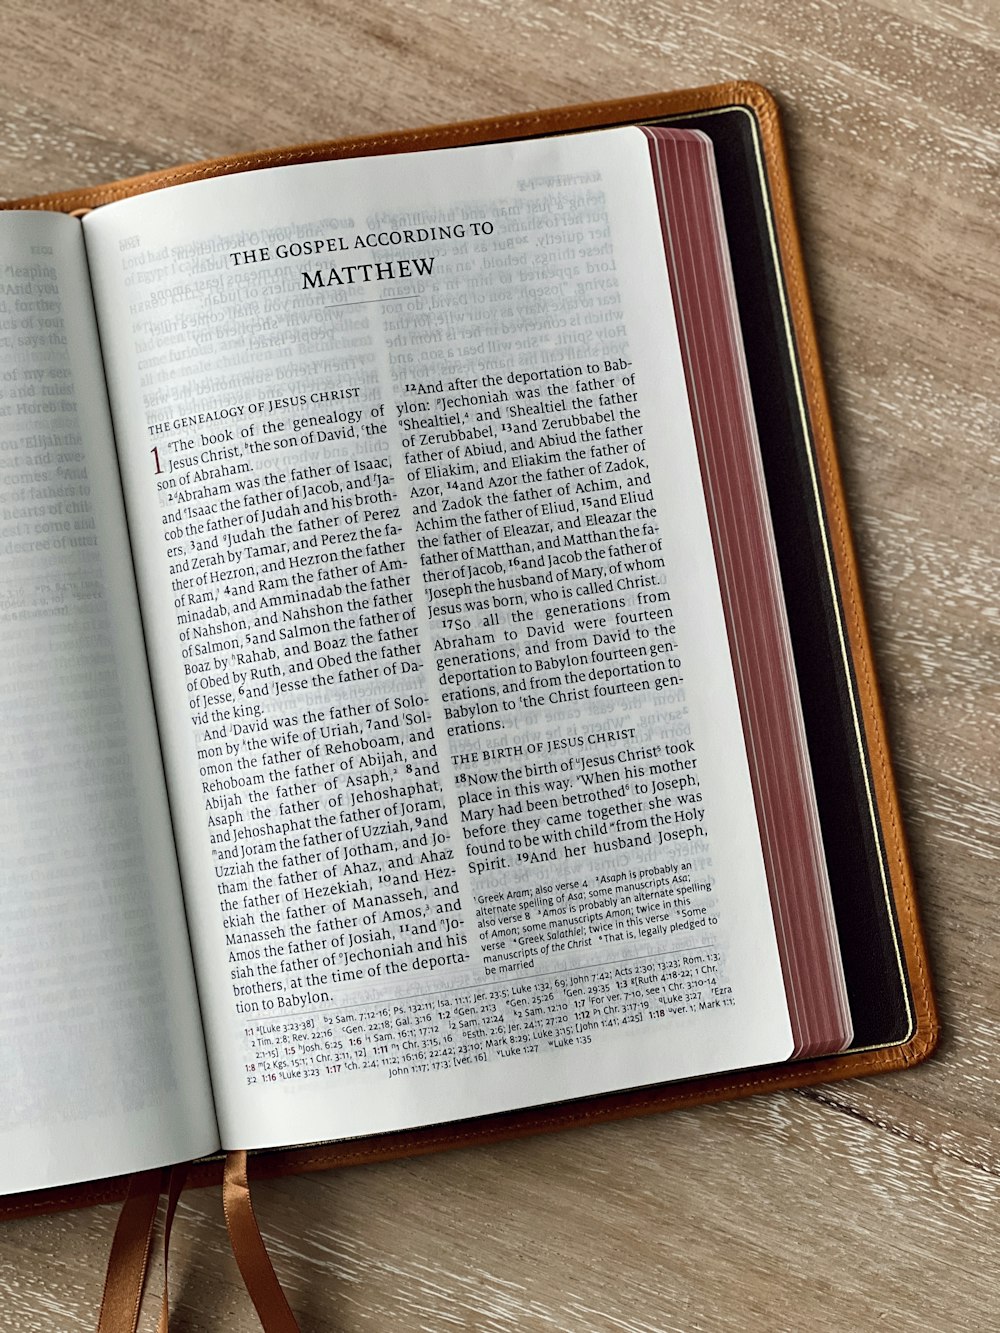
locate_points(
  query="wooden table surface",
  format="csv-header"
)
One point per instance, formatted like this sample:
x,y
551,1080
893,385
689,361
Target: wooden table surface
x,y
870,1204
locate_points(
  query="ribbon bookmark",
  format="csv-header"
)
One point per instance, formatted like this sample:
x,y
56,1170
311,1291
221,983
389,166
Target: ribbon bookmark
x,y
128,1263
253,1259
176,1184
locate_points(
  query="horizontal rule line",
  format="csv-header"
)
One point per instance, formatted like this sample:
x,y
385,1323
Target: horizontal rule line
x,y
372,300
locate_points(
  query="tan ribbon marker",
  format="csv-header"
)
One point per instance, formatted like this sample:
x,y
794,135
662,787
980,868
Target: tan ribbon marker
x,y
128,1263
248,1246
129,1259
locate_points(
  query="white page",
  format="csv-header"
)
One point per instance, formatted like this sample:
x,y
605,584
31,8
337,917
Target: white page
x,y
102,1059
330,644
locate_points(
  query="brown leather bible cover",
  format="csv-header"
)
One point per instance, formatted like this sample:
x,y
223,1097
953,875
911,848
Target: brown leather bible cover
x,y
884,953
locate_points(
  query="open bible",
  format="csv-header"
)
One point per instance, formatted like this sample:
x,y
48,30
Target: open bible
x,y
424,694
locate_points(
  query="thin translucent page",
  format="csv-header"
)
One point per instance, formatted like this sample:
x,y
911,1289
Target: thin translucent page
x,y
219,339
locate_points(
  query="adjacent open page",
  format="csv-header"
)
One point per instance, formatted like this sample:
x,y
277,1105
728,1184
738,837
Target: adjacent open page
x,y
445,691
102,1059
